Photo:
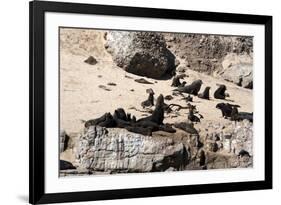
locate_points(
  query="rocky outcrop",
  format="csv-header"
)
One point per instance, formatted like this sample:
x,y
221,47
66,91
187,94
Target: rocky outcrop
x,y
64,139
215,55
117,150
224,144
114,150
238,69
141,53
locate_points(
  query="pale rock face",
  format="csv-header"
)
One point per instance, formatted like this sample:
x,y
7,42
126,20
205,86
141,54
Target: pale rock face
x,y
232,138
243,138
117,150
238,69
222,145
114,150
141,53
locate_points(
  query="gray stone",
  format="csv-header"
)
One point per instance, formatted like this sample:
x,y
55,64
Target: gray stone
x,y
238,69
141,53
64,139
117,150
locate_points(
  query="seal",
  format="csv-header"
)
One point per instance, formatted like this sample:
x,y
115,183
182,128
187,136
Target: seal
x,y
193,88
220,92
226,109
205,95
150,101
191,115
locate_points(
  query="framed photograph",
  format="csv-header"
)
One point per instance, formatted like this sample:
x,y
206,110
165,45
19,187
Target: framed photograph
x,y
130,102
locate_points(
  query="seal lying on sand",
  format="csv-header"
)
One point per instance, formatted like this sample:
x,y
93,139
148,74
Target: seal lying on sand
x,y
226,108
176,80
231,111
193,88
220,92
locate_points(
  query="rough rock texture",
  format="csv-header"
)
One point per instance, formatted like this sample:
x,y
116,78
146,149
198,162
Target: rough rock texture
x,y
239,137
64,138
141,53
238,69
206,53
116,150
223,145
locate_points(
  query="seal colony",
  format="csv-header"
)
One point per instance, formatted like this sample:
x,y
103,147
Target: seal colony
x,y
190,103
154,122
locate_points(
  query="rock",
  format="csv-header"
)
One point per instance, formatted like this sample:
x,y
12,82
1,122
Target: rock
x,y
212,146
143,81
117,150
91,60
209,54
104,87
74,172
64,139
243,138
181,69
238,69
111,84
237,137
177,62
64,165
141,53
168,97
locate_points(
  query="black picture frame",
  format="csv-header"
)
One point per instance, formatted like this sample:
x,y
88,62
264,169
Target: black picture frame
x,y
37,10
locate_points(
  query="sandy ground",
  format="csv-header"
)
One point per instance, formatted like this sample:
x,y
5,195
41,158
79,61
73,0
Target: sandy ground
x,y
82,99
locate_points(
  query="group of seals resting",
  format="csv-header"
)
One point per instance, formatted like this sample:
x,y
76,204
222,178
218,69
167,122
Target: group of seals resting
x,y
195,87
231,111
144,126
154,122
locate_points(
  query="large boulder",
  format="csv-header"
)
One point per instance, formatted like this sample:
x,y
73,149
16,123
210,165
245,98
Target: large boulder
x,y
117,150
141,53
238,69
